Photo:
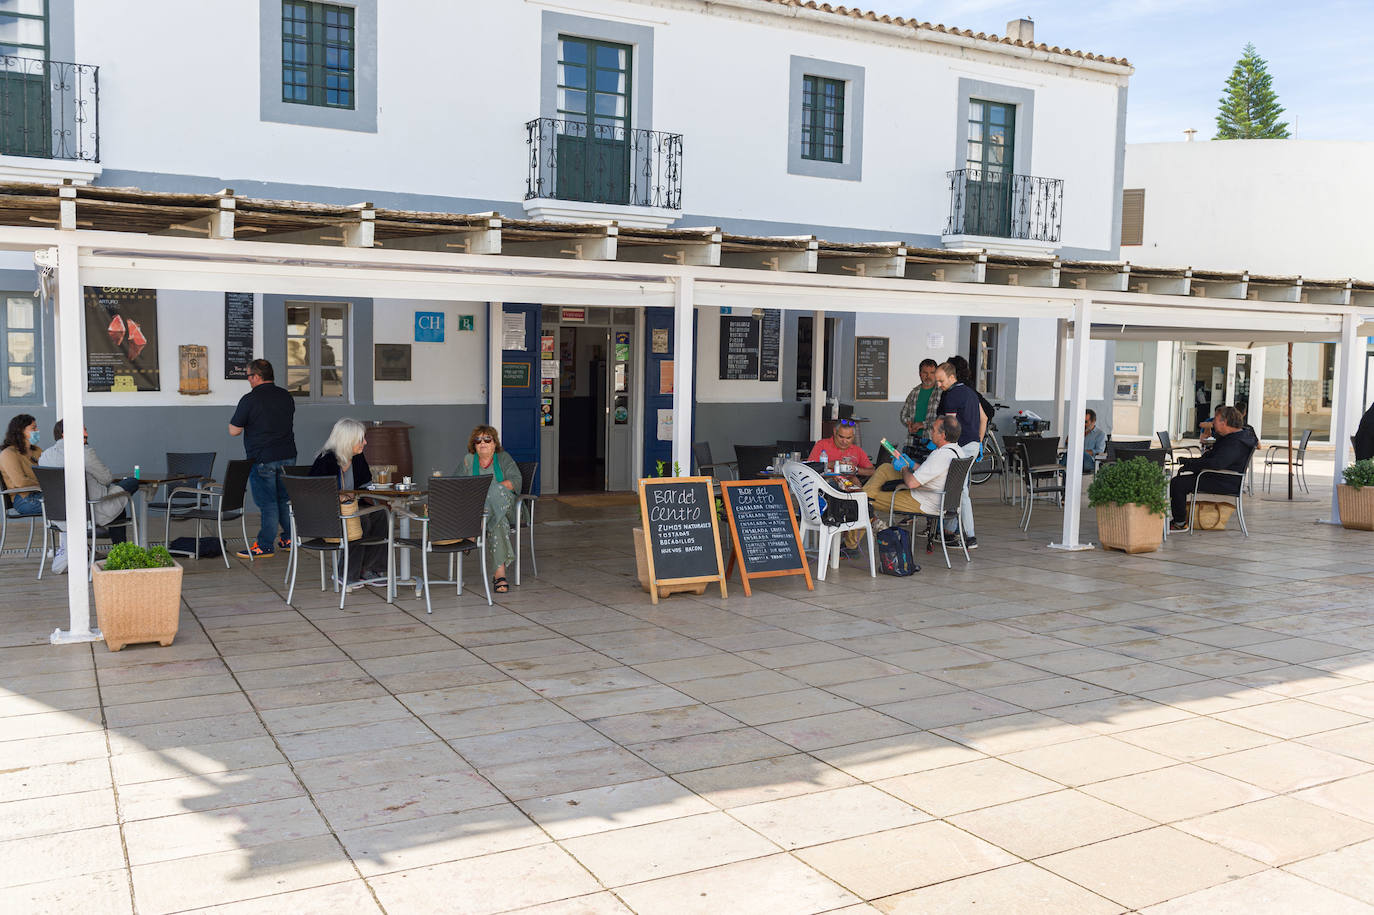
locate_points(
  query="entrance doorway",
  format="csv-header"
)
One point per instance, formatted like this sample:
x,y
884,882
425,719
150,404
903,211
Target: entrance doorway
x,y
588,398
1211,376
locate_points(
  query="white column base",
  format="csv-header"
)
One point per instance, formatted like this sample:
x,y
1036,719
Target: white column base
x,y
1072,547
67,637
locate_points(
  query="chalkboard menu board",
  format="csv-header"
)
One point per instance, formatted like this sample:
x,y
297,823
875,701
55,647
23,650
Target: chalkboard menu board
x,y
764,531
870,368
238,333
739,348
770,346
679,515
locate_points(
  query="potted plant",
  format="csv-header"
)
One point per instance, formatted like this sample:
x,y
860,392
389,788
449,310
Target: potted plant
x,y
1130,500
1355,497
137,595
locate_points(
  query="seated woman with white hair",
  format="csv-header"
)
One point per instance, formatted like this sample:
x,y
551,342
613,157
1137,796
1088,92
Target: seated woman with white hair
x,y
342,458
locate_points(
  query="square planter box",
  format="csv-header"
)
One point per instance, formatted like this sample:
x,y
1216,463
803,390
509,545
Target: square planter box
x,y
137,605
1357,507
1129,528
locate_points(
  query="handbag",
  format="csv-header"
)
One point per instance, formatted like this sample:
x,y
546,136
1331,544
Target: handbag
x,y
1212,516
353,525
835,512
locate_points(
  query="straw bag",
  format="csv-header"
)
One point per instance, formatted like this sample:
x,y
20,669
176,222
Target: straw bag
x,y
353,525
1212,516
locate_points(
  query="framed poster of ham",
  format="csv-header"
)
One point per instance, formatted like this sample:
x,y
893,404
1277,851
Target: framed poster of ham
x,y
121,339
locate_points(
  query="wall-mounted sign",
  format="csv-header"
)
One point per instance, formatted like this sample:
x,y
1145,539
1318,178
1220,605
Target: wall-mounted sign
x,y
193,363
513,331
870,368
622,346
739,348
391,362
935,341
660,341
665,376
515,374
121,339
770,344
573,315
238,333
429,327
467,322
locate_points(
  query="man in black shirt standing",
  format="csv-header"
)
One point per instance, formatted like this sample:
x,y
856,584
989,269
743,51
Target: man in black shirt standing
x,y
960,401
265,417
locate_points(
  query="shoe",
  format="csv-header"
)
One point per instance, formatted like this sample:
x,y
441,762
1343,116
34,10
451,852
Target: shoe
x,y
284,544
953,540
59,562
356,586
254,552
850,552
1178,525
971,543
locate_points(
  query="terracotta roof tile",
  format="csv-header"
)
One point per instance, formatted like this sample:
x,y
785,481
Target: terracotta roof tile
x,y
855,13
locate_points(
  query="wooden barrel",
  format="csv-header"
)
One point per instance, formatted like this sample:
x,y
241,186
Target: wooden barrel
x,y
388,448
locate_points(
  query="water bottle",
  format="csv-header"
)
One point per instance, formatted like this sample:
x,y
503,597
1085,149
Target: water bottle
x,y
824,462
138,472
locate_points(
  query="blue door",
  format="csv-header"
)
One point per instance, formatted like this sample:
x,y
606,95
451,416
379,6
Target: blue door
x,y
660,320
519,425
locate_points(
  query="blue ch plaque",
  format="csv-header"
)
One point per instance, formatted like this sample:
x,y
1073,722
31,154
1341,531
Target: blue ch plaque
x,y
429,327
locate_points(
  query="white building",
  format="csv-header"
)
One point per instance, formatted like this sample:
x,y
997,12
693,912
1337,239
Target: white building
x,y
1281,207
758,118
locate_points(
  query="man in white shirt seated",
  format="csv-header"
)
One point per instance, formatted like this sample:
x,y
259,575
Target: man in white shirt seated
x,y
114,495
925,482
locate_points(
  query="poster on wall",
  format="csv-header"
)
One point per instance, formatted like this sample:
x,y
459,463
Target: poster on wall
x,y
665,376
665,425
391,362
622,346
739,348
238,333
660,341
121,339
770,344
193,364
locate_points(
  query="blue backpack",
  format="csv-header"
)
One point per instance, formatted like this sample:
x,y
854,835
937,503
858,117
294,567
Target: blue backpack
x,y
894,552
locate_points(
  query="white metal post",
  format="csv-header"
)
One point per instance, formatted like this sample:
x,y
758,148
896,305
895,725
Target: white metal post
x,y
1061,339
495,313
683,348
1351,362
70,340
818,392
1078,402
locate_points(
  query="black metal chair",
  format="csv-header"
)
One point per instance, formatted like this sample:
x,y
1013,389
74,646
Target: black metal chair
x,y
187,495
529,472
53,482
1041,473
701,453
456,524
297,470
225,503
318,524
1277,455
8,514
951,500
1166,442
752,459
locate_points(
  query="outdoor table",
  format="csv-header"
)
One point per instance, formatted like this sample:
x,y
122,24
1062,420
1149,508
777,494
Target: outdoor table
x,y
149,482
395,502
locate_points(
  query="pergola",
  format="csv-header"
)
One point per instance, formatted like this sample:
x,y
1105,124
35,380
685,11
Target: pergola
x,y
131,238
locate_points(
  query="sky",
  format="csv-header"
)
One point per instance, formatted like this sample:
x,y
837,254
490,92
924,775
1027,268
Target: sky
x,y
1184,50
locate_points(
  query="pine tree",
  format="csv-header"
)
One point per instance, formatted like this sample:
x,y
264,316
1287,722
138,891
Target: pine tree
x,y
1250,109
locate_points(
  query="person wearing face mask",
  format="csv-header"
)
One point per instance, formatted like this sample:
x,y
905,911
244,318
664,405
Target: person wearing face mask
x,y
485,457
113,497
19,455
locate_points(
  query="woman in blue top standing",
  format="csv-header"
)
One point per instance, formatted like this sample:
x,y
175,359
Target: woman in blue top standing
x,y
485,457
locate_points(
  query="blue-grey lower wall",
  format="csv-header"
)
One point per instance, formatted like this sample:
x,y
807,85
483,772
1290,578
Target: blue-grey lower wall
x,y
725,425
125,436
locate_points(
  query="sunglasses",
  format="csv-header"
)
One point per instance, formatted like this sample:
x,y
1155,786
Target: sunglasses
x,y
484,439
847,423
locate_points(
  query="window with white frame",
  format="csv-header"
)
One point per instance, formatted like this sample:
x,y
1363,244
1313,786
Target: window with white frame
x,y
21,332
317,362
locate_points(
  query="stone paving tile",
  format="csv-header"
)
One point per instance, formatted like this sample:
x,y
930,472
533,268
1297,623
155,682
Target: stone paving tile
x,y
898,860
493,883
827,816
773,885
1176,793
101,893
764,780
663,849
1349,870
1267,891
966,786
1279,830
709,750
1049,823
1021,889
1283,767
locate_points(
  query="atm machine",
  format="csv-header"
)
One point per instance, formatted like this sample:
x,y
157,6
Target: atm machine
x,y
1126,399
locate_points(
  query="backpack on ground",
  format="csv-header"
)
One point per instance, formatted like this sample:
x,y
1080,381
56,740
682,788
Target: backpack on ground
x,y
894,552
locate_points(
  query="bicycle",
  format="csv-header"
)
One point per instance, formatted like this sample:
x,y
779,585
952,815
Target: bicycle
x,y
991,458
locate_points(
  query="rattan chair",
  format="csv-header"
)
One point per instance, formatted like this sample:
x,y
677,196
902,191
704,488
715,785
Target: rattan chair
x,y
53,482
951,500
456,524
222,503
318,524
529,472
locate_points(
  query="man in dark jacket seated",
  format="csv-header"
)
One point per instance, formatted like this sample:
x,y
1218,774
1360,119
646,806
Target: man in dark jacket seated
x,y
1235,443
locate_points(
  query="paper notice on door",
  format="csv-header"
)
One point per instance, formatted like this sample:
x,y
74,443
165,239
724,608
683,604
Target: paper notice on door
x,y
548,368
665,425
512,331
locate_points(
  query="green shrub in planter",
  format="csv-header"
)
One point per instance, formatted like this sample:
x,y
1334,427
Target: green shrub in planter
x,y
130,555
1139,481
1359,474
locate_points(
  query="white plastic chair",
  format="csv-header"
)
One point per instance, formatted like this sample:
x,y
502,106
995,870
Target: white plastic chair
x,y
809,487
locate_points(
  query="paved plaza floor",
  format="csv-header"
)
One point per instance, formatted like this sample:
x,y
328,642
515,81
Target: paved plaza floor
x,y
1035,731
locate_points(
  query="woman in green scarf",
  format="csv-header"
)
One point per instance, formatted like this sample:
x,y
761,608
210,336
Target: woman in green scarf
x,y
485,457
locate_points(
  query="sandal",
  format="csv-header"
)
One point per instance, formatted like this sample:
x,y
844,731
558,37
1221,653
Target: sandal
x,y
500,585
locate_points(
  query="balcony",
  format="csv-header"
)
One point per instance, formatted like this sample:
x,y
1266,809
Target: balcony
x,y
580,172
49,119
1003,212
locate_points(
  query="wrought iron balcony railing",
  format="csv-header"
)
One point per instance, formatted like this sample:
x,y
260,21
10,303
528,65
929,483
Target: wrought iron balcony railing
x,y
571,160
1003,205
49,109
